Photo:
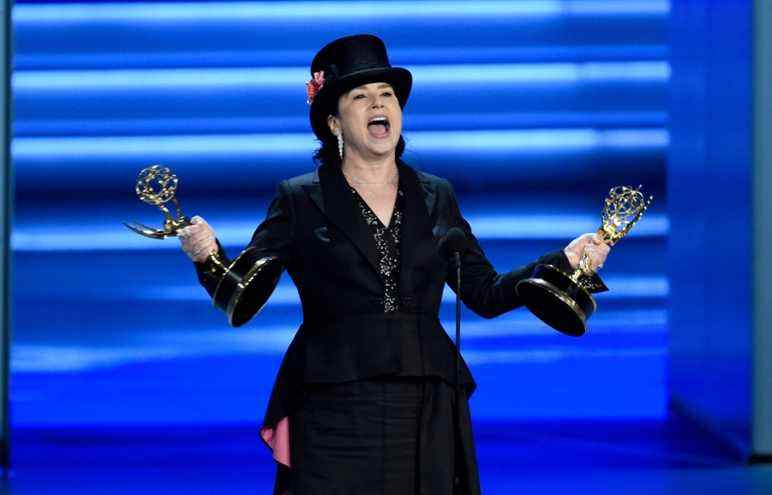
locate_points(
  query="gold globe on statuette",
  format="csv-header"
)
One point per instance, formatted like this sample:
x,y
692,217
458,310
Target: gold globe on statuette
x,y
564,301
243,285
157,185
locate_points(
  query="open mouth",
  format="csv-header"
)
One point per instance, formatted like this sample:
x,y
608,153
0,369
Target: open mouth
x,y
378,126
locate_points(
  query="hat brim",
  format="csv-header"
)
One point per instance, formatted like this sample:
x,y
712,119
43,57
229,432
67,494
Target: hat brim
x,y
327,98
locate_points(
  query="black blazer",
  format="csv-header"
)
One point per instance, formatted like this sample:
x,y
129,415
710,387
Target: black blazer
x,y
315,229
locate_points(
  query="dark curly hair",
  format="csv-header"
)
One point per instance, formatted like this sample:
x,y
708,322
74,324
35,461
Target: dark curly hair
x,y
327,153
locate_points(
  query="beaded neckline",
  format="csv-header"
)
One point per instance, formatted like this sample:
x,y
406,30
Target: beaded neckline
x,y
387,240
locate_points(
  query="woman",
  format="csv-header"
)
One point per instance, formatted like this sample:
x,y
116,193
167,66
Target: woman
x,y
364,400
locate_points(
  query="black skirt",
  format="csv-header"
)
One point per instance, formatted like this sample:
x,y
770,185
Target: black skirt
x,y
379,436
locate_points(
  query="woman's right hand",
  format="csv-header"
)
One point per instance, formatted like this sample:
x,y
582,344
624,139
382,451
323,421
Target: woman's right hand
x,y
197,239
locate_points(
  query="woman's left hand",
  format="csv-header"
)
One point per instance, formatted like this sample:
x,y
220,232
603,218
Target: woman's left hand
x,y
596,249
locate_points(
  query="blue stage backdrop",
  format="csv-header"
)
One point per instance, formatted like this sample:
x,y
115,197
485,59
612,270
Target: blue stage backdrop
x,y
533,109
711,262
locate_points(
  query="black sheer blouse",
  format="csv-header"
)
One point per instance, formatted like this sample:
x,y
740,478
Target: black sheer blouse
x,y
387,243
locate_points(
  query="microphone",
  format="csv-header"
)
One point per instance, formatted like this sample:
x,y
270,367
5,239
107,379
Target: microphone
x,y
453,244
454,241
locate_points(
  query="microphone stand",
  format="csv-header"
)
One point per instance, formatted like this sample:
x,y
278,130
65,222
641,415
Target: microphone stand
x,y
455,242
457,256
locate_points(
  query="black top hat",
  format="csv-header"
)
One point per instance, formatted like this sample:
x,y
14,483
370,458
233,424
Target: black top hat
x,y
347,63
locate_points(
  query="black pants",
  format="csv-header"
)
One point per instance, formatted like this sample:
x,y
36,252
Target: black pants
x,y
358,437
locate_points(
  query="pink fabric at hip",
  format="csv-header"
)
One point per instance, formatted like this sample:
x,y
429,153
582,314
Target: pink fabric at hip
x,y
278,440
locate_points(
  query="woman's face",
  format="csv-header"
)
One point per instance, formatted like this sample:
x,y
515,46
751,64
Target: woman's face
x,y
370,118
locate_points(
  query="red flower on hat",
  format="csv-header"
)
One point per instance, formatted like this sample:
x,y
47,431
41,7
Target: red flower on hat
x,y
314,85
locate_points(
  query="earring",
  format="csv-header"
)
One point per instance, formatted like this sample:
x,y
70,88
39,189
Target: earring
x,y
340,144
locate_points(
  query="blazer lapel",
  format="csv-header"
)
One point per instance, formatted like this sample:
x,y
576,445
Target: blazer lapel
x,y
429,194
332,196
420,198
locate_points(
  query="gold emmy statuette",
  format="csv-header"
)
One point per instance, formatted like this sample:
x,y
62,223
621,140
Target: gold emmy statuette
x,y
244,284
564,301
157,185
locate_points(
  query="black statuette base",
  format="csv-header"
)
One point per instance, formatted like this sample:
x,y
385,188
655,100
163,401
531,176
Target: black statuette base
x,y
246,285
557,300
